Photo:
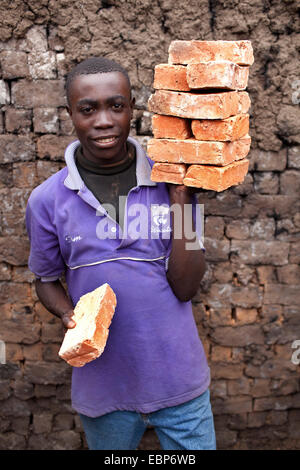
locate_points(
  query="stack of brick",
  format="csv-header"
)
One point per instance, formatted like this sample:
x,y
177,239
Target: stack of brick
x,y
201,121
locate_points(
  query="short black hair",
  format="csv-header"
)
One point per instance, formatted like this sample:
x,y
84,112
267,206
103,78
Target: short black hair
x,y
94,65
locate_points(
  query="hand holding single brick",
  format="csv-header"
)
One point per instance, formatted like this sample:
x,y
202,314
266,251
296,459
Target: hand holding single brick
x,y
93,313
54,297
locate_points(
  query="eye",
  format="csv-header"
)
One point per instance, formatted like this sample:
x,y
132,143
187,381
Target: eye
x,y
118,106
86,110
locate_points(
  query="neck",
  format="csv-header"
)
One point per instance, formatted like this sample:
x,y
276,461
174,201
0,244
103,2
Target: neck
x,y
106,163
107,168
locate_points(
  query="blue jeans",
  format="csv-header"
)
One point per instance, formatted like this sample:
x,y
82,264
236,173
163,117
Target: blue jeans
x,y
188,426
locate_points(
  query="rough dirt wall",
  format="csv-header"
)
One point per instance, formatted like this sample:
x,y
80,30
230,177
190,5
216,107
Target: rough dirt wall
x,y
247,308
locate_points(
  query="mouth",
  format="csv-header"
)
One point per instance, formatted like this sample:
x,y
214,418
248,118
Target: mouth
x,y
105,141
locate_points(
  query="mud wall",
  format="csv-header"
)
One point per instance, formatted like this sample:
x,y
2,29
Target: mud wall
x,y
247,308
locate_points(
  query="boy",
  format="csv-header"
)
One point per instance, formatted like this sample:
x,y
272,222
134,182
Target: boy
x,y
83,221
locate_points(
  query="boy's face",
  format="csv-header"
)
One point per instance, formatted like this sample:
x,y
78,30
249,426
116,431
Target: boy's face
x,y
101,108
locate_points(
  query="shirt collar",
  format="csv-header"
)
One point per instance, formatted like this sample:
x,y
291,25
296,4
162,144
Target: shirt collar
x,y
143,167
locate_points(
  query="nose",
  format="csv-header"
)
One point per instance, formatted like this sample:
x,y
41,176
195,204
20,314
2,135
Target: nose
x,y
103,119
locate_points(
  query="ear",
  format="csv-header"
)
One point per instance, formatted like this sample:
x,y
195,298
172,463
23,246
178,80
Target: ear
x,y
69,110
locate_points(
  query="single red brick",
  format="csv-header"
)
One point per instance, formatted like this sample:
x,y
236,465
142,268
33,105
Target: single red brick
x,y
80,344
170,127
231,128
168,172
199,106
223,74
170,77
216,178
186,52
197,151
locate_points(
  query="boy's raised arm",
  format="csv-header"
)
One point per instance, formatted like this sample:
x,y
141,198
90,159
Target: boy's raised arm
x,y
186,266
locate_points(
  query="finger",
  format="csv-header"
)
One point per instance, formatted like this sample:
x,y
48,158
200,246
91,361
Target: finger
x,y
177,188
71,323
68,321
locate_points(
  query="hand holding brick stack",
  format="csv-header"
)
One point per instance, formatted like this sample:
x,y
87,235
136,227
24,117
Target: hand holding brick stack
x,y
201,121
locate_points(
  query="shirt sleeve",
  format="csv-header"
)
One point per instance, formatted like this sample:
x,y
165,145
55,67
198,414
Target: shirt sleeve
x,y
48,279
45,258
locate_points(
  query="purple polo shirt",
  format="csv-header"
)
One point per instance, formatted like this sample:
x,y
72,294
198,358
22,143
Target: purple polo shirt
x,y
154,357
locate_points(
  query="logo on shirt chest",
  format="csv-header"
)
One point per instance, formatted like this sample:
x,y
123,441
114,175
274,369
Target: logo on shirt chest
x,y
72,238
140,222
160,217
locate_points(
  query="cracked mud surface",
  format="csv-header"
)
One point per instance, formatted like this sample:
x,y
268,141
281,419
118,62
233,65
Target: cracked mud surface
x,y
138,33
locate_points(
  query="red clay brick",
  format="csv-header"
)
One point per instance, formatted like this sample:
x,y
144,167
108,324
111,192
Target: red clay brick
x,y
216,178
197,151
168,172
82,345
199,106
223,74
170,127
187,52
231,128
170,77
